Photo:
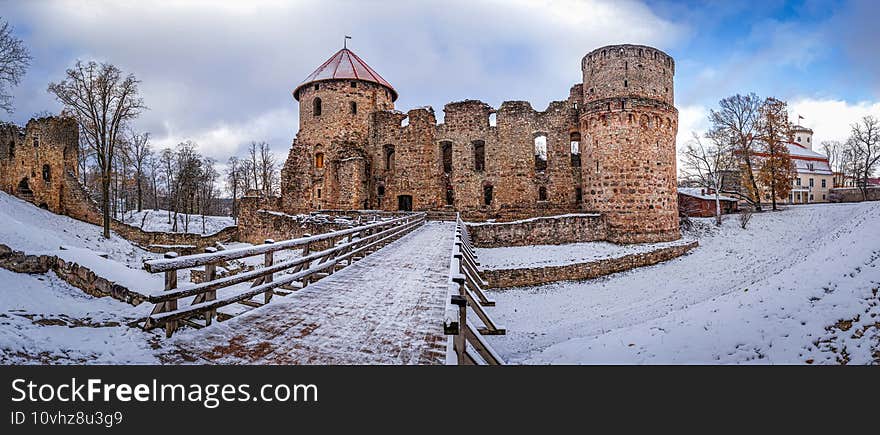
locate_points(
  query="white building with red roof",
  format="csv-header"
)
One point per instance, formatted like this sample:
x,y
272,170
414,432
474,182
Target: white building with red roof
x,y
814,179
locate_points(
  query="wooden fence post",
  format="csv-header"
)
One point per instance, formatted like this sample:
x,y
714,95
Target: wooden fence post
x,y
307,249
210,275
170,284
268,261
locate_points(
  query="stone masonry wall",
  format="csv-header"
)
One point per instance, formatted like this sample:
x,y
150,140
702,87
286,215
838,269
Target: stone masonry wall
x,y
554,230
504,278
74,274
621,117
38,161
630,126
853,194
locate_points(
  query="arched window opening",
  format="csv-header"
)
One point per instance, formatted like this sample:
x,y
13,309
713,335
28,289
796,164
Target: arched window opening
x,y
316,107
389,157
540,153
542,193
626,83
354,84
353,108
450,195
36,141
318,192
47,173
578,195
380,191
575,148
446,156
479,155
319,160
317,86
493,120
487,194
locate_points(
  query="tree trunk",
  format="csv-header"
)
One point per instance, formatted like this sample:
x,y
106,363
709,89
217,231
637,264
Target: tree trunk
x,y
140,194
105,204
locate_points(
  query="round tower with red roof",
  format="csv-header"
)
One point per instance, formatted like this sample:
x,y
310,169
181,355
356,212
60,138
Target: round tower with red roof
x,y
328,166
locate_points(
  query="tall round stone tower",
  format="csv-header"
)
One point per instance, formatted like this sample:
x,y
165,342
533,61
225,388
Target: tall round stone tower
x,y
328,165
630,123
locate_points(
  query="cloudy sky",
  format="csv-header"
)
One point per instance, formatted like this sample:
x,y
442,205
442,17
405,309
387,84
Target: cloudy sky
x,y
221,73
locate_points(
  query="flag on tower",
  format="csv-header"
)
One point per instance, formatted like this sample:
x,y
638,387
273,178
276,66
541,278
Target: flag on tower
x,y
345,41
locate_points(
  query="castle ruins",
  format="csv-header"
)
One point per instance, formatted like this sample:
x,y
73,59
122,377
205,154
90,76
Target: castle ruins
x,y
609,148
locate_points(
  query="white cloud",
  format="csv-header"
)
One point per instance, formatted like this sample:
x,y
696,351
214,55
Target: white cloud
x,y
221,72
831,119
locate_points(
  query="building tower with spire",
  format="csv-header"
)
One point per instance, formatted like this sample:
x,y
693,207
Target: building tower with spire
x,y
328,166
605,152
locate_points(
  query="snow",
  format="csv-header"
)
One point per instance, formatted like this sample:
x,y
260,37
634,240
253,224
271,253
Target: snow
x,y
33,230
763,295
520,257
697,192
158,220
45,320
387,308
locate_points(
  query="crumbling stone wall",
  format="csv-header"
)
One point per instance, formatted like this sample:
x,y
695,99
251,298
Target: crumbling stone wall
x,y
71,272
854,194
622,118
555,230
503,278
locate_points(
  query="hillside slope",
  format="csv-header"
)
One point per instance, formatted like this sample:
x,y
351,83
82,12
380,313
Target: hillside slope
x,y
768,294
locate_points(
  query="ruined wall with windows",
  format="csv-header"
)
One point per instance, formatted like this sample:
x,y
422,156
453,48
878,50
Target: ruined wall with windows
x,y
38,163
609,147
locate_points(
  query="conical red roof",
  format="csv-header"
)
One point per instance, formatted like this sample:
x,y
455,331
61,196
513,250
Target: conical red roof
x,y
345,65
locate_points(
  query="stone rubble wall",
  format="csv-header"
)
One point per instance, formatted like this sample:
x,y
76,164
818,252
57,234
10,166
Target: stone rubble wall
x,y
854,194
74,274
503,278
554,230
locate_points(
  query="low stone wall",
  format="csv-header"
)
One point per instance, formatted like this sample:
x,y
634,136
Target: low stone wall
x,y
551,230
153,240
854,194
74,274
502,278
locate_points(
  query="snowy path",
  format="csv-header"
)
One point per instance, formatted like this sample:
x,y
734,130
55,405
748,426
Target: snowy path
x,y
384,309
762,295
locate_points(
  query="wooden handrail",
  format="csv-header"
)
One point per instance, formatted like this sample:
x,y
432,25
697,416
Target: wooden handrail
x,y
466,344
361,241
189,261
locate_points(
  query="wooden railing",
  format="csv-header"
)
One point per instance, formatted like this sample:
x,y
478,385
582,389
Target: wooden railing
x,y
321,255
468,347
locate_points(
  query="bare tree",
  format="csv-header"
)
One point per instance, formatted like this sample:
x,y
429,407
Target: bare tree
x,y
138,152
736,123
154,166
254,164
103,101
267,169
233,182
14,62
702,166
865,145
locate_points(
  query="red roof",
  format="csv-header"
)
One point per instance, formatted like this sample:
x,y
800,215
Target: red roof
x,y
345,65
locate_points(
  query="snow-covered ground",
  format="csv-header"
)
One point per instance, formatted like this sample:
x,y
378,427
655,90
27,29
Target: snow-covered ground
x,y
34,230
159,220
768,294
45,320
518,257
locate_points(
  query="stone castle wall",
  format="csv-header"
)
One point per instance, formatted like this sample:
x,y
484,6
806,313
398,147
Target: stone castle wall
x,y
39,164
503,278
610,148
553,230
